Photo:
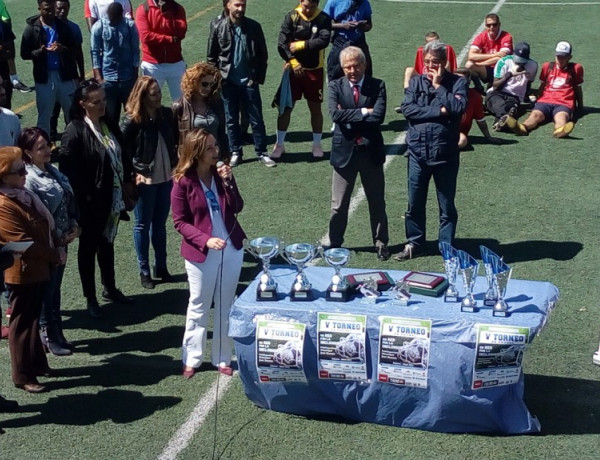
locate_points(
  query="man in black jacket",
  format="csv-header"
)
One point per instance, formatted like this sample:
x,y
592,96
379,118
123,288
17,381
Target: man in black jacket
x,y
305,33
49,43
237,47
433,105
357,106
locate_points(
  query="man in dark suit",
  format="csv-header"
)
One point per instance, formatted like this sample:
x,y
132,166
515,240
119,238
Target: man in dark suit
x,y
357,105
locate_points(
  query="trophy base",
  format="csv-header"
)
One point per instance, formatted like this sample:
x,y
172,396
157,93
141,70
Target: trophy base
x,y
490,302
469,308
501,313
450,298
302,296
337,296
268,295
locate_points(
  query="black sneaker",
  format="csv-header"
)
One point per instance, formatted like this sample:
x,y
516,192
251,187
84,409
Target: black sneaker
x,y
163,274
383,253
94,309
146,281
20,86
116,296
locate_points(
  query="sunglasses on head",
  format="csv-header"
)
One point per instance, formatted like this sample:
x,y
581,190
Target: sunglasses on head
x,y
19,172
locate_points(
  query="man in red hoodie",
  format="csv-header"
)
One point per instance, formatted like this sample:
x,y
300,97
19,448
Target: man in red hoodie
x,y
162,25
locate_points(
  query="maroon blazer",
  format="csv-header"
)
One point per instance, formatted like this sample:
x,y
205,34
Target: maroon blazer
x,y
191,214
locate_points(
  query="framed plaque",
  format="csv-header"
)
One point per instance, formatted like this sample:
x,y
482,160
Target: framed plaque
x,y
423,280
383,280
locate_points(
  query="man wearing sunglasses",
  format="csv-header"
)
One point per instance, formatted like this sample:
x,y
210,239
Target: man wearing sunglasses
x,y
487,49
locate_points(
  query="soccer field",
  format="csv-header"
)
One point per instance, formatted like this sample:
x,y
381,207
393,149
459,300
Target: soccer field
x,y
533,199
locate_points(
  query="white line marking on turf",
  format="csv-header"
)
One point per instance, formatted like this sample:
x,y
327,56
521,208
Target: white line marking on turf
x,y
184,435
460,2
186,432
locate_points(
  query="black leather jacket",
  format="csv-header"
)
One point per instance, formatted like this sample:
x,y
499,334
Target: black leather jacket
x,y
220,47
140,140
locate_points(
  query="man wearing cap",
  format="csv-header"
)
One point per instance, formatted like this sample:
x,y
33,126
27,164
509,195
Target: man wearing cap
x,y
487,49
513,76
560,95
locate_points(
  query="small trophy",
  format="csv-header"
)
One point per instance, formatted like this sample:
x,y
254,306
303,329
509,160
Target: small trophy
x,y
369,291
490,297
339,289
469,268
501,275
264,248
299,254
402,295
450,257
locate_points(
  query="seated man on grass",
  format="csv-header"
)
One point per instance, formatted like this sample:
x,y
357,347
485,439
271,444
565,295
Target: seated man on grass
x,y
560,95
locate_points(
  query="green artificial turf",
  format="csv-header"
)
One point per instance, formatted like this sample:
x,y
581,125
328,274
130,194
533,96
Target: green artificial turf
x,y
533,200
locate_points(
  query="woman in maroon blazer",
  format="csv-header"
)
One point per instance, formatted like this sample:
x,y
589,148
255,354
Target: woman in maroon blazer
x,y
204,201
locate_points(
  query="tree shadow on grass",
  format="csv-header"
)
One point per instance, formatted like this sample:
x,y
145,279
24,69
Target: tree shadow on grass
x,y
563,405
117,406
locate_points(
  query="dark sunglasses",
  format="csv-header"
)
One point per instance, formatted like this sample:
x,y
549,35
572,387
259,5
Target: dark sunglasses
x,y
491,24
212,199
19,172
206,84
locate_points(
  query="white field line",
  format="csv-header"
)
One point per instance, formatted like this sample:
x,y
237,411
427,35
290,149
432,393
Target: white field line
x,y
186,432
184,435
458,2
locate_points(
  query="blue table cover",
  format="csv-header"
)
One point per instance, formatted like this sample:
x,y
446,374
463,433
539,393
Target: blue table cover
x,y
448,404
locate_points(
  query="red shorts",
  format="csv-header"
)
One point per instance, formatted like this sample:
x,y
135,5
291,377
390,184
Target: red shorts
x,y
310,85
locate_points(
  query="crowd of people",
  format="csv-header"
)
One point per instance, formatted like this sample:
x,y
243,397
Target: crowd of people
x,y
158,159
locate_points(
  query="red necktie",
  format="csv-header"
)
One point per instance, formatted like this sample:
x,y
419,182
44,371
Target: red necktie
x,y
356,93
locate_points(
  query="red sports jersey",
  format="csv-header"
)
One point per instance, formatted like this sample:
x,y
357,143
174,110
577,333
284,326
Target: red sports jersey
x,y
451,55
474,111
560,84
484,44
86,9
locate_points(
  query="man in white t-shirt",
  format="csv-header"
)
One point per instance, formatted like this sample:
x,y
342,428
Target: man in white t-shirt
x,y
98,9
513,76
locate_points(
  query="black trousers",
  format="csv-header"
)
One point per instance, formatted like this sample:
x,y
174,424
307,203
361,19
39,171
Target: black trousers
x,y
499,103
8,86
92,244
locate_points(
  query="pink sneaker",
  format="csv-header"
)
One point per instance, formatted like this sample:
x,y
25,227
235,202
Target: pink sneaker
x,y
317,151
278,150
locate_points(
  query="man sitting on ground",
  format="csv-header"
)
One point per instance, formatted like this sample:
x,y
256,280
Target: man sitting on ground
x,y
513,76
560,95
487,49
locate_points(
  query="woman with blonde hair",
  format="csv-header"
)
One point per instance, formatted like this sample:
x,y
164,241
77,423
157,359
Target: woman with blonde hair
x,y
205,202
25,219
201,105
149,140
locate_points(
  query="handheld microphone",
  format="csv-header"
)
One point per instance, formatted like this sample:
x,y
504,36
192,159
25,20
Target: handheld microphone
x,y
226,182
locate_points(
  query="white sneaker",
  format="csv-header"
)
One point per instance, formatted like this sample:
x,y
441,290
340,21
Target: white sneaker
x,y
235,159
596,358
317,151
268,162
332,129
278,150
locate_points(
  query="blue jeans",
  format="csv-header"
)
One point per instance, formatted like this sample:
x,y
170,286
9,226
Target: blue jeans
x,y
249,97
419,175
47,94
150,213
51,306
116,93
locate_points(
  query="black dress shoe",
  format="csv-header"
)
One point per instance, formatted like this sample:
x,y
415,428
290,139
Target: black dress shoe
x,y
410,251
8,405
163,274
31,387
146,281
94,309
116,296
383,253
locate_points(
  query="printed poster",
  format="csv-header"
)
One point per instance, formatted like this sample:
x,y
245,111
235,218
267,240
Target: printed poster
x,y
279,346
341,346
498,355
404,351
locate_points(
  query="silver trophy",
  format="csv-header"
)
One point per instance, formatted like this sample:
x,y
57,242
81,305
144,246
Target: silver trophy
x,y
501,275
339,289
402,295
369,291
299,254
490,297
469,268
450,256
264,248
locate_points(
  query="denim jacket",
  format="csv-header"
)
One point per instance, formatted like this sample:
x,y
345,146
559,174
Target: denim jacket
x,y
115,49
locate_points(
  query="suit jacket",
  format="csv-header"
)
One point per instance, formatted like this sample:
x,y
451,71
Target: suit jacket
x,y
191,214
350,122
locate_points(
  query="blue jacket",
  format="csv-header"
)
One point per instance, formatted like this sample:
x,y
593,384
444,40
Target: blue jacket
x,y
432,138
115,49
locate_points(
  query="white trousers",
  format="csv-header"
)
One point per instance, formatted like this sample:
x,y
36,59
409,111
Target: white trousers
x,y
213,280
171,73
